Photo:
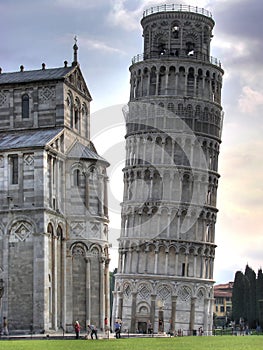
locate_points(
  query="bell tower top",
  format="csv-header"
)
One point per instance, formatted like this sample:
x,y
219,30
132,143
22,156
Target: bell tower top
x,y
177,31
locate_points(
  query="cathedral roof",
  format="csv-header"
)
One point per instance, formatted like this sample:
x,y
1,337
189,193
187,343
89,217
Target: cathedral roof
x,y
80,151
35,75
27,138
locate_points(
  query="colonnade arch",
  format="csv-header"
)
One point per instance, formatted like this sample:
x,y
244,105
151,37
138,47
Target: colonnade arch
x,y
184,259
191,81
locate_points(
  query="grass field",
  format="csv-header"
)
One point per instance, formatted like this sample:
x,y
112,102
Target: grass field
x,y
183,343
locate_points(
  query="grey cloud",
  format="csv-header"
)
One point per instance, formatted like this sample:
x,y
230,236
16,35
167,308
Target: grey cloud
x,y
240,22
241,19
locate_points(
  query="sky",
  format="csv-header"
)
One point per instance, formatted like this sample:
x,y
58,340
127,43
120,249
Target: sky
x,y
109,34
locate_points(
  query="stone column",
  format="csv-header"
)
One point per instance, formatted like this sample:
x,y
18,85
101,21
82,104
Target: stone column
x,y
186,261
69,292
63,281
40,310
107,289
210,318
166,260
100,190
206,311
54,283
176,260
152,311
120,262
88,294
195,258
102,293
137,259
133,313
144,149
169,223
146,258
192,315
114,308
106,211
156,260
176,83
120,305
173,313
148,82
51,182
162,151
157,82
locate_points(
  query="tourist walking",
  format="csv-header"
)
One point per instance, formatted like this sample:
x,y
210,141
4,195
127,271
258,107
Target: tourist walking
x,y
77,329
93,331
117,329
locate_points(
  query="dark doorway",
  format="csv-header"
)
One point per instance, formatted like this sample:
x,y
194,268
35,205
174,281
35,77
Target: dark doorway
x,y
142,327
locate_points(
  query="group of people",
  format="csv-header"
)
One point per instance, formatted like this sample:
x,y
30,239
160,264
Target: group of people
x,y
92,330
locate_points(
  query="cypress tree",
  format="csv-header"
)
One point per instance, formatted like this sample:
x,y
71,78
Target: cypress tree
x,y
251,297
238,297
260,298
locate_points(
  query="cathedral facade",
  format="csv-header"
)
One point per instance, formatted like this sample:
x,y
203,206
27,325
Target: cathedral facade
x,y
173,121
54,260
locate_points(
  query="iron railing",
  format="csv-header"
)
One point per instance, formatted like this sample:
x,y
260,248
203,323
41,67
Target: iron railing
x,y
176,7
180,55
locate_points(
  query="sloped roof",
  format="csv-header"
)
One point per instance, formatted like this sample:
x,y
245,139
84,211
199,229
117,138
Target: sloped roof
x,y
80,151
27,138
35,75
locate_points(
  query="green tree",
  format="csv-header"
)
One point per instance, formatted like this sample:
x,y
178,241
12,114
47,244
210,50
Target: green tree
x,y
238,297
259,286
251,302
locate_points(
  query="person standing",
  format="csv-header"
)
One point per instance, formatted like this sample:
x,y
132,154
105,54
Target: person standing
x,y
117,328
77,329
5,326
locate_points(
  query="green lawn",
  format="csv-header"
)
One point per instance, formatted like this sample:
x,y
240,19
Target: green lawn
x,y
184,343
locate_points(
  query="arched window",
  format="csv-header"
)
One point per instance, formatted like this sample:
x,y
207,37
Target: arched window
x,y
175,30
160,109
197,112
85,119
171,107
14,171
76,177
71,109
180,110
77,115
25,106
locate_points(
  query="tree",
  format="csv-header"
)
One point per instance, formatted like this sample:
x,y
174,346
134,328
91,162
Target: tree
x,y
238,297
259,290
251,297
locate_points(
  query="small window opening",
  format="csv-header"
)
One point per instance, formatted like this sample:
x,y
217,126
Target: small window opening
x,y
14,169
25,106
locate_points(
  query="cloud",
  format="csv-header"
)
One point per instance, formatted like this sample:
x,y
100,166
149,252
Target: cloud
x,y
80,4
250,100
120,16
126,16
100,46
239,32
239,17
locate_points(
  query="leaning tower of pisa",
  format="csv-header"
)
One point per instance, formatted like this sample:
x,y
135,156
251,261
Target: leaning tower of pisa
x,y
173,123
